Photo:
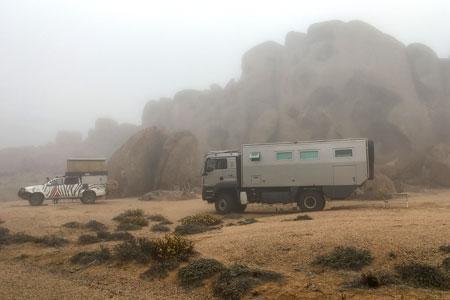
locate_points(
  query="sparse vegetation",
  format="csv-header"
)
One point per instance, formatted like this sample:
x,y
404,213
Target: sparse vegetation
x,y
445,248
129,213
237,280
446,264
91,257
196,271
73,225
4,235
114,236
86,239
51,240
95,226
185,229
423,276
21,237
201,219
374,280
160,228
139,250
302,218
247,221
345,258
392,255
159,218
132,219
173,246
160,270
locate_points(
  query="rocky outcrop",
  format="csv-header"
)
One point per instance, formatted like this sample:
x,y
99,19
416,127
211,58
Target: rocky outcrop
x,y
154,159
336,80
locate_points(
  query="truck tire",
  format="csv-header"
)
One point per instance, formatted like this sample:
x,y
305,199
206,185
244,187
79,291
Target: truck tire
x,y
240,208
224,204
36,199
311,201
88,197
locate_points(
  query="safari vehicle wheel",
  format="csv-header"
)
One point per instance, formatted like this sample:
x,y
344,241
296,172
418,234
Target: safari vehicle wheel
x,y
36,199
88,197
311,201
224,204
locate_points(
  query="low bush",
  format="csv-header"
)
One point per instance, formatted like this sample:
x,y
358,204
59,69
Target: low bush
x,y
445,248
114,236
129,213
185,229
195,272
423,276
374,280
95,226
201,219
91,257
20,238
132,223
302,218
51,240
160,228
86,239
4,235
160,270
345,258
173,247
139,250
446,264
235,281
159,218
73,225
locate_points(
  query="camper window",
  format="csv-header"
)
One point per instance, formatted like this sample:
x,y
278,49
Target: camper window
x,y
221,163
284,155
71,180
309,155
255,156
338,153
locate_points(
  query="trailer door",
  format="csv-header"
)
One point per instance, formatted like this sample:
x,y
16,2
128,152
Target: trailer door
x,y
344,175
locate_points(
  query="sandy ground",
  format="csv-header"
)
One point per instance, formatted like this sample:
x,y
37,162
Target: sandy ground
x,y
414,234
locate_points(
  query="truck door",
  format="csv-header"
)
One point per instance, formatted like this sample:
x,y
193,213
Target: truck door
x,y
219,170
71,187
344,175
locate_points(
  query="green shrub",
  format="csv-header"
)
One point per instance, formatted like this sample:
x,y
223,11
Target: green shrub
x,y
132,223
196,271
95,226
159,218
345,258
446,264
86,239
139,250
423,276
73,225
445,248
160,228
114,236
185,229
91,257
160,269
201,219
235,281
51,241
129,213
173,247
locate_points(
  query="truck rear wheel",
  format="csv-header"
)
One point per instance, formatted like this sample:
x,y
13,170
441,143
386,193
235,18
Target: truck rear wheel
x,y
311,201
36,199
240,207
88,197
224,204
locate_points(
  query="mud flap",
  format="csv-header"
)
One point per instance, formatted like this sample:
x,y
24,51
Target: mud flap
x,y
243,198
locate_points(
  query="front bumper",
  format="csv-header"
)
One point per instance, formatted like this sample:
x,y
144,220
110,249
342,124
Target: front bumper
x,y
24,194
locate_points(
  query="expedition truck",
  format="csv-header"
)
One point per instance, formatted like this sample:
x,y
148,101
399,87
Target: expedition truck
x,y
85,179
305,173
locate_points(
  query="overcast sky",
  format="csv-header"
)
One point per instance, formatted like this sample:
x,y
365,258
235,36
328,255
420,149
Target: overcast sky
x,y
65,63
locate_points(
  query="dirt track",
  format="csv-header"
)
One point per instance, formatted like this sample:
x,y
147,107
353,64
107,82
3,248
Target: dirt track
x,y
413,233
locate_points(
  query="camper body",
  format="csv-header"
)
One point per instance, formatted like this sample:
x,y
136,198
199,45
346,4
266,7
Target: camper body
x,y
85,179
303,172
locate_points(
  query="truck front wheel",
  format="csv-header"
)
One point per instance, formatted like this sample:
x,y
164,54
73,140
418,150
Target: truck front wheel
x,y
88,197
224,204
311,201
36,199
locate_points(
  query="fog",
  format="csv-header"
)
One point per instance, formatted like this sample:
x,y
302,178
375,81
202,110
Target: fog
x,y
65,63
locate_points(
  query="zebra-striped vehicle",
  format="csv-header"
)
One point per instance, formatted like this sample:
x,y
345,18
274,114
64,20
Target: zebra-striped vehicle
x,y
84,187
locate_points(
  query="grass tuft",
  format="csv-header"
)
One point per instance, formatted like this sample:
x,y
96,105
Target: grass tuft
x,y
201,219
95,226
237,280
73,225
173,247
51,240
374,280
131,219
91,257
446,264
159,218
129,213
193,274
114,236
445,248
139,250
345,258
247,221
160,228
423,276
86,239
185,229
160,270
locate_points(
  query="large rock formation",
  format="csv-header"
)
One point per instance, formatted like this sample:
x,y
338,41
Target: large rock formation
x,y
337,80
155,159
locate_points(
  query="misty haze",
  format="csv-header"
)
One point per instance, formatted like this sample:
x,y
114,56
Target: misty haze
x,y
203,150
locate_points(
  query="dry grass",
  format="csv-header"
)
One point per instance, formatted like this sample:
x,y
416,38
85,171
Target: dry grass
x,y
345,258
197,271
201,219
91,257
423,276
159,228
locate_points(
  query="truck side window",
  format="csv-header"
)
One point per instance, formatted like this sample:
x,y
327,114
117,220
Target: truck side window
x,y
221,163
71,180
210,165
343,153
284,155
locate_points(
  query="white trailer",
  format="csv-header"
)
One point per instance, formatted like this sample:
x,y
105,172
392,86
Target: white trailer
x,y
302,172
